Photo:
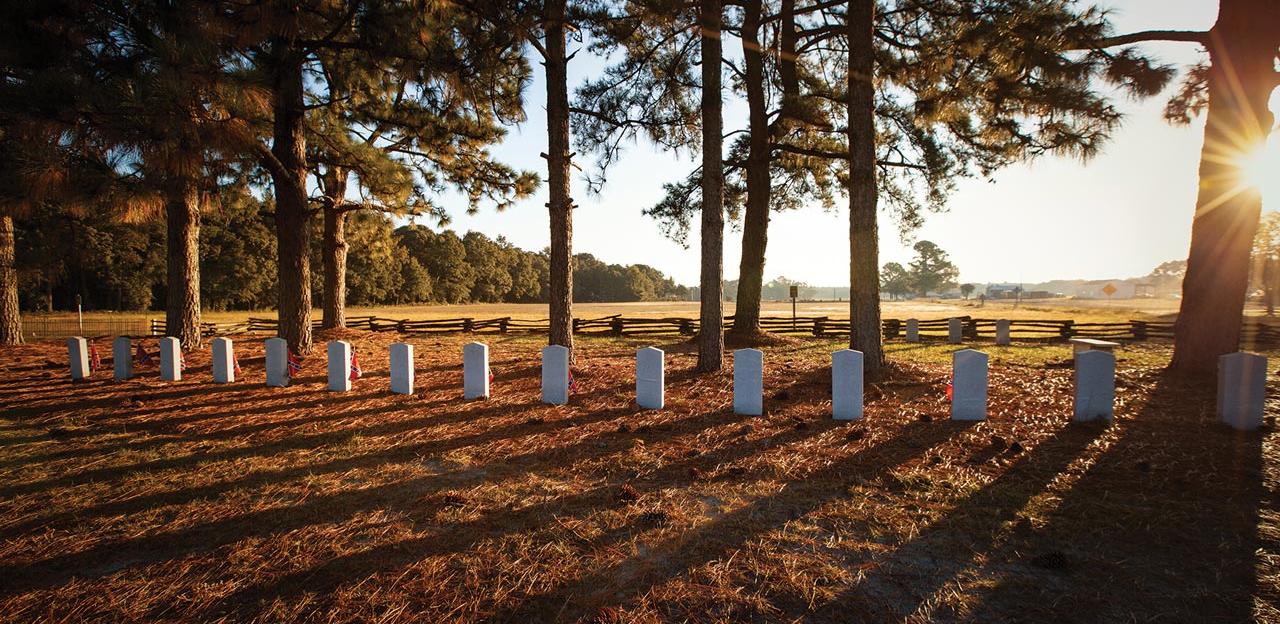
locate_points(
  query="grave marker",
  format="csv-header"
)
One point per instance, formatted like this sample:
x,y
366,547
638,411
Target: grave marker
x,y
1095,386
1242,389
846,385
650,377
339,366
955,331
475,371
1002,332
555,374
748,382
913,330
170,359
402,371
277,362
968,385
224,357
78,351
122,358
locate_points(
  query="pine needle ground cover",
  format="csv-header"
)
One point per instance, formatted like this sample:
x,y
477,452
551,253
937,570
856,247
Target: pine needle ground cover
x,y
186,501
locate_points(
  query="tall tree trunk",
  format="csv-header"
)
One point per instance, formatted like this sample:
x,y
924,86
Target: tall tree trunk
x,y
292,234
1242,75
335,249
560,206
711,310
864,250
10,316
755,222
182,219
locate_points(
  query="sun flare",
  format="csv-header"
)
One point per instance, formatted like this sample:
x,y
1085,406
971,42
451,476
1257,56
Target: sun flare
x,y
1261,168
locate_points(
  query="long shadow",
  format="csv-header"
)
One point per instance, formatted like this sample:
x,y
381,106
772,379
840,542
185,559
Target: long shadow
x,y
458,537
637,575
1169,515
318,509
398,453
972,526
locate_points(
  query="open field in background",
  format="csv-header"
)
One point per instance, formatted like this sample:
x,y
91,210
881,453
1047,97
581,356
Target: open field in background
x,y
144,500
1083,310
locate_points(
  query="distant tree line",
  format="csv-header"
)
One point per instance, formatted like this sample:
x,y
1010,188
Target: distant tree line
x,y
121,266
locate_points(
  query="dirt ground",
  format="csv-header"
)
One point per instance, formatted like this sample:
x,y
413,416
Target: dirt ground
x,y
186,501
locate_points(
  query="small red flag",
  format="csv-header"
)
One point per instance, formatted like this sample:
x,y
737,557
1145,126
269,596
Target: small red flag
x,y
95,360
355,366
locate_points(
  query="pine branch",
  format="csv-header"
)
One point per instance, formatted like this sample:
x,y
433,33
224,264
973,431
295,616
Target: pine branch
x,y
1193,36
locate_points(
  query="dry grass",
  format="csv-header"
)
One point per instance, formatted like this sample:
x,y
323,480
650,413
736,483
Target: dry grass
x,y
184,501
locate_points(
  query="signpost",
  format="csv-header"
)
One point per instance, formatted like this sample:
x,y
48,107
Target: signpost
x,y
795,290
1108,290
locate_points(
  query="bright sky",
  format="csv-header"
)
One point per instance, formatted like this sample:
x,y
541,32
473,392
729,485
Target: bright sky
x,y
1119,215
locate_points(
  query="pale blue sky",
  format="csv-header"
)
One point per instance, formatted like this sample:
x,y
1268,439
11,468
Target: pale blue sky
x,y
1118,215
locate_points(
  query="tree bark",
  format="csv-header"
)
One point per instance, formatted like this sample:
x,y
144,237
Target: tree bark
x,y
289,178
335,250
10,315
1242,49
711,308
182,219
560,207
755,221
864,250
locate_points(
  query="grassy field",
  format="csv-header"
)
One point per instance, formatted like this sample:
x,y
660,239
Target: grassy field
x,y
151,501
1083,310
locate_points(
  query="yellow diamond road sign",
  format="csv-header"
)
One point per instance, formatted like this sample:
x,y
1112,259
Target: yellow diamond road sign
x,y
1108,290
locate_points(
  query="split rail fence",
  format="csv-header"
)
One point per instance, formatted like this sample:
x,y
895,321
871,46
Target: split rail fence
x,y
1255,334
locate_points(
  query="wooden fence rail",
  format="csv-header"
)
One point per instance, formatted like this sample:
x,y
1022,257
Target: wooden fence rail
x,y
1254,335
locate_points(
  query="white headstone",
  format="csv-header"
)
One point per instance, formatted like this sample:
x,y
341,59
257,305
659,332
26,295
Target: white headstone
x,y
475,371
968,385
955,331
78,352
170,359
339,366
1095,386
555,374
748,382
277,362
224,368
650,378
1242,389
402,368
846,384
122,357
913,330
1002,332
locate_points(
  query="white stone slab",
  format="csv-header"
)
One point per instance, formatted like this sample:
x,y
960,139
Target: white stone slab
x,y
170,359
846,385
1095,386
78,354
650,378
122,358
339,366
968,385
402,368
555,374
1002,332
913,330
277,362
224,357
955,331
475,371
748,382
1242,389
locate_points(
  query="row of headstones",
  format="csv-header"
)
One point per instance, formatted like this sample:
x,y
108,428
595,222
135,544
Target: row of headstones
x,y
1241,377
955,331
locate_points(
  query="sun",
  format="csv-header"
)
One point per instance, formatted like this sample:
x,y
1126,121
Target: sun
x,y
1261,169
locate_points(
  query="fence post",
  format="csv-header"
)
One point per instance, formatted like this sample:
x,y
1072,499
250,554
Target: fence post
x,y
1068,330
819,326
468,325
502,325
575,325
615,326
1139,329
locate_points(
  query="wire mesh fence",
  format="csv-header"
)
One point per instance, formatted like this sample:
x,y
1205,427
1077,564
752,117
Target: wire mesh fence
x,y
49,328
